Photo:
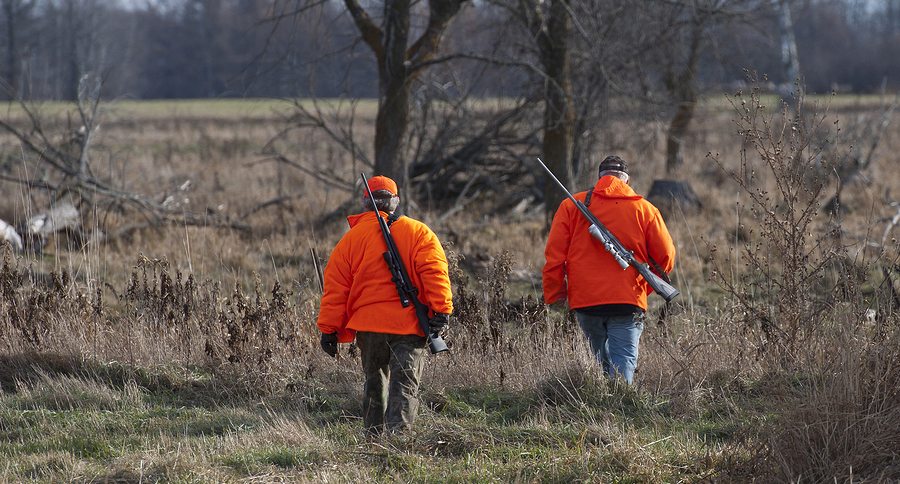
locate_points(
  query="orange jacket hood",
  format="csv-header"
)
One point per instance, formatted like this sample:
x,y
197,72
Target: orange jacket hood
x,y
612,187
359,293
577,266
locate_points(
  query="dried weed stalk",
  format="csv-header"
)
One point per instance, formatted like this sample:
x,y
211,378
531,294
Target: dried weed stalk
x,y
777,277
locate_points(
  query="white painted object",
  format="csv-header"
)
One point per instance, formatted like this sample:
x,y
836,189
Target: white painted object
x,y
9,234
62,216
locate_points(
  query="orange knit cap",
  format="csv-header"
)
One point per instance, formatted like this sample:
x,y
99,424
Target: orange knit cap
x,y
381,183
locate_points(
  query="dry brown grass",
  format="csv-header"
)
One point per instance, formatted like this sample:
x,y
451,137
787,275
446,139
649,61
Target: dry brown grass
x,y
845,425
225,318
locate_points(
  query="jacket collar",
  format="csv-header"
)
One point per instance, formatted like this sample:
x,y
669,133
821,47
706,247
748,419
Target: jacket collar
x,y
355,219
612,187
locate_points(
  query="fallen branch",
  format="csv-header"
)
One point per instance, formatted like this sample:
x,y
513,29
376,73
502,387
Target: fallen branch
x,y
69,172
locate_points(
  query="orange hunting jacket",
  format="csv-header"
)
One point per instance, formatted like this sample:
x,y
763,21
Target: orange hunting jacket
x,y
359,294
580,269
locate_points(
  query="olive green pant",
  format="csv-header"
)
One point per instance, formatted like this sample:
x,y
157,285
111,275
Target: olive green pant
x,y
393,366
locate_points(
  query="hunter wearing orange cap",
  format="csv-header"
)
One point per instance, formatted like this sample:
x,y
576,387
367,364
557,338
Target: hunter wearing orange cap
x,y
609,302
360,300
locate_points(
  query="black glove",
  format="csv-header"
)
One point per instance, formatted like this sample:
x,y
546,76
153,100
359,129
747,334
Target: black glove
x,y
329,344
438,322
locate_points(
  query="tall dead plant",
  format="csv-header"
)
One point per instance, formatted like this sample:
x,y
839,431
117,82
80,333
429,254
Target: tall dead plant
x,y
776,272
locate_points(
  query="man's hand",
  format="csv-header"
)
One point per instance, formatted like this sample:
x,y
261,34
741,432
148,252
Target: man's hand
x,y
329,344
438,322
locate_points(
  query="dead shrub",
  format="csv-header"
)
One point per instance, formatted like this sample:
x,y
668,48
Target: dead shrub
x,y
785,272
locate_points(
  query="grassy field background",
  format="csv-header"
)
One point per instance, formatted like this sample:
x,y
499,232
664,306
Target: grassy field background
x,y
190,354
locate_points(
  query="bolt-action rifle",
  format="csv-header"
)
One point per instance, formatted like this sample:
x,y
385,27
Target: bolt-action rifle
x,y
623,256
409,294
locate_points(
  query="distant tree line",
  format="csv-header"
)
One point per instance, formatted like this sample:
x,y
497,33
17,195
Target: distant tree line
x,y
236,48
175,49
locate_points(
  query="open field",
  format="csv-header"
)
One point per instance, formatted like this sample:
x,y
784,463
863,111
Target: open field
x,y
266,108
180,108
190,354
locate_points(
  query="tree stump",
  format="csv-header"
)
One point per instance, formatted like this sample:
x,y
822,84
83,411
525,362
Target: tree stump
x,y
674,196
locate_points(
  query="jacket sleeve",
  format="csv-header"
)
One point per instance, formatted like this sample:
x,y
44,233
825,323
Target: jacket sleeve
x,y
659,242
333,315
555,253
431,266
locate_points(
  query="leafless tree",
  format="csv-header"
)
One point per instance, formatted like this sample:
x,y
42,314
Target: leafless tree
x,y
401,58
584,53
696,20
551,25
449,144
548,38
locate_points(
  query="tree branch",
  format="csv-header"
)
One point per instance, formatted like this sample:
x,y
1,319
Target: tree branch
x,y
440,14
477,57
371,34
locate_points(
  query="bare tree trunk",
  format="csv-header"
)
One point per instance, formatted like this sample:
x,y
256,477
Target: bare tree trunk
x,y
390,128
790,64
399,64
678,129
672,193
559,112
394,84
682,87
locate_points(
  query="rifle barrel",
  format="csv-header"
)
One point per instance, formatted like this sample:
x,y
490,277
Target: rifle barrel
x,y
568,194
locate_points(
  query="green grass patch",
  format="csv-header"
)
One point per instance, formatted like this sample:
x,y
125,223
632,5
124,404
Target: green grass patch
x,y
256,461
573,426
486,404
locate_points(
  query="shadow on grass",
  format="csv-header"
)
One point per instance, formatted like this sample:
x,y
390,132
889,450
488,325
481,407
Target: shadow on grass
x,y
196,387
322,398
198,390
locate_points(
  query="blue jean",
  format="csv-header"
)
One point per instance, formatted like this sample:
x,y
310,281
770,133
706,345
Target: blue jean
x,y
614,341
